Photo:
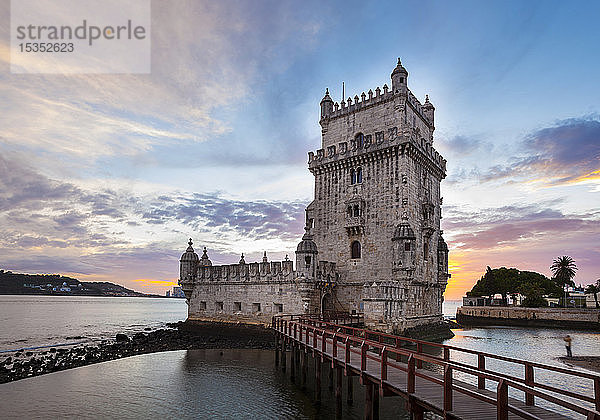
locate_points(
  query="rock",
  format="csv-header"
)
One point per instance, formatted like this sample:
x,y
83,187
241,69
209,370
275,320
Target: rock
x,y
121,338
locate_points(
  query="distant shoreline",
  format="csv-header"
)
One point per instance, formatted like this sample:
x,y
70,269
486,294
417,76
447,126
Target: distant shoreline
x,y
142,295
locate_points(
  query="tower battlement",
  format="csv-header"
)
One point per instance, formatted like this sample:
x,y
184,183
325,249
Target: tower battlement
x,y
374,98
407,140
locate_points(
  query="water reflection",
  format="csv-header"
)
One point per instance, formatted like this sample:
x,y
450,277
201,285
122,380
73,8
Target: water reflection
x,y
183,384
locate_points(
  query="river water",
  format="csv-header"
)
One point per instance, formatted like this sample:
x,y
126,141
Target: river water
x,y
205,383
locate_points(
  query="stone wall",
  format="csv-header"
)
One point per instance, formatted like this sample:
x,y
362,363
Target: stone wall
x,y
534,317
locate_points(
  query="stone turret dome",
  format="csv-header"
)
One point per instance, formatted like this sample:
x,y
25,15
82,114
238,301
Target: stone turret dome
x,y
427,104
204,261
400,69
327,98
189,254
404,231
307,245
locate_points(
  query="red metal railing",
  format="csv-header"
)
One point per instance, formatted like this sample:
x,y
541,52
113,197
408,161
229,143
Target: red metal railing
x,y
380,346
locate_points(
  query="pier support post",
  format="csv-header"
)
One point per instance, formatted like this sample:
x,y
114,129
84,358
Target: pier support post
x,y
298,350
304,368
293,362
318,379
331,378
375,402
283,355
338,391
276,349
350,396
369,391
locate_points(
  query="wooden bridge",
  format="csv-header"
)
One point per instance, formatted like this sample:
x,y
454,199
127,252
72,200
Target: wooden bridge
x,y
425,375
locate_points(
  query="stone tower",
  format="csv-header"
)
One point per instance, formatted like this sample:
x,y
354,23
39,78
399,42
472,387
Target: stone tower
x,y
377,207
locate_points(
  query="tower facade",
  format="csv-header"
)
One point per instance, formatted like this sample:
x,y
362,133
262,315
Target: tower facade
x,y
377,206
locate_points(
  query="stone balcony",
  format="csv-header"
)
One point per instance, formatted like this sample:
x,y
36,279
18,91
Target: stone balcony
x,y
354,225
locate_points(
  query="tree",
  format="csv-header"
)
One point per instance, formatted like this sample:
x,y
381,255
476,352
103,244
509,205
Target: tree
x,y
564,269
594,289
533,295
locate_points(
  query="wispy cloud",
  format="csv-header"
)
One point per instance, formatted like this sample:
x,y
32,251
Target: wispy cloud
x,y
565,153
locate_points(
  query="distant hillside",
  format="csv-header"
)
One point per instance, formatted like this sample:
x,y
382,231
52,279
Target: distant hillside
x,y
55,284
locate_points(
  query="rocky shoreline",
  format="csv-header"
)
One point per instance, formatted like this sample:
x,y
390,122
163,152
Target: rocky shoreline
x,y
179,336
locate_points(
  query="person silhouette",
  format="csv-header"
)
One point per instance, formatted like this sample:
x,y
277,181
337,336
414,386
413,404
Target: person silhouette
x,y
568,340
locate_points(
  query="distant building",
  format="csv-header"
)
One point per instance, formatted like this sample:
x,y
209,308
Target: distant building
x,y
177,292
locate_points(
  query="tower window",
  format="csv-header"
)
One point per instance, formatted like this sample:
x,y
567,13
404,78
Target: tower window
x,y
307,260
355,248
349,211
356,176
407,246
425,249
402,80
356,210
359,140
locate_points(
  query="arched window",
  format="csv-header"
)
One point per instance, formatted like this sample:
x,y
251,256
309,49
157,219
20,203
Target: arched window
x,y
359,175
425,249
350,211
355,249
356,210
360,140
353,177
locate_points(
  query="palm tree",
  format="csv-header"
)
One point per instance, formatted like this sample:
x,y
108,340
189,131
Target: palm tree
x,y
594,289
564,269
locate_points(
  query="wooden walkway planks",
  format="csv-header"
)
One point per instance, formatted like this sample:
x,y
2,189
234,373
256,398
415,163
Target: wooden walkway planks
x,y
427,392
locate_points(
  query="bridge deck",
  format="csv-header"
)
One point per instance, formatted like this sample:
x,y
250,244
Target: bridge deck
x,y
429,392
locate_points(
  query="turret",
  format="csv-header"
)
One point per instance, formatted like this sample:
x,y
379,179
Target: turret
x,y
306,257
204,261
188,264
428,109
399,79
404,247
442,259
326,105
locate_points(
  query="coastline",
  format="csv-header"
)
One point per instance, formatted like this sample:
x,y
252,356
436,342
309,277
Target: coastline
x,y
179,336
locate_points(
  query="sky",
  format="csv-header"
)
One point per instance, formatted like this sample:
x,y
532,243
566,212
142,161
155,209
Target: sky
x,y
105,177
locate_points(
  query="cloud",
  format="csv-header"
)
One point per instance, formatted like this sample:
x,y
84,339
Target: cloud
x,y
565,153
461,145
513,225
223,52
54,226
523,236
